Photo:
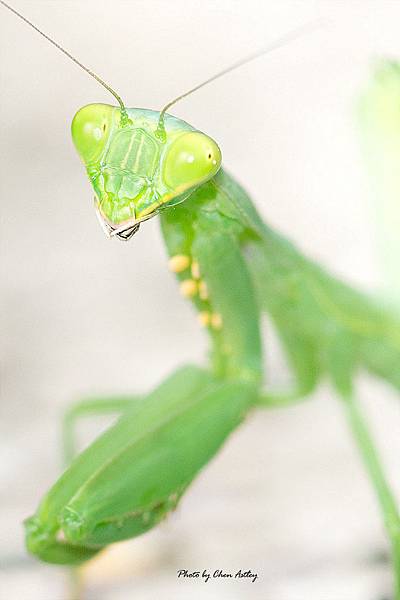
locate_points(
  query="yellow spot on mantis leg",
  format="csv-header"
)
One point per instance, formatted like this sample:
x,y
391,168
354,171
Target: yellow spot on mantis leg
x,y
203,291
188,288
216,321
178,263
195,269
204,318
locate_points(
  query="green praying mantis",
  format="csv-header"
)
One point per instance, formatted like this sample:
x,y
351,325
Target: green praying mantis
x,y
233,268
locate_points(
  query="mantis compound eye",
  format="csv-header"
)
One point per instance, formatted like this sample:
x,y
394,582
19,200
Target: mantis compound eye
x,y
91,128
192,159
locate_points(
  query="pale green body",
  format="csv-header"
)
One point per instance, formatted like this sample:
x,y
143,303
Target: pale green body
x,y
135,473
234,268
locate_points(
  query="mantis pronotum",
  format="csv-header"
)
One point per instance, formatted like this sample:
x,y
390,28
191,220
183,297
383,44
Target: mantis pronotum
x,y
233,268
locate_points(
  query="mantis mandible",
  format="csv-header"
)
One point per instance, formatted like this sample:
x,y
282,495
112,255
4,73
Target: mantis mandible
x,y
233,268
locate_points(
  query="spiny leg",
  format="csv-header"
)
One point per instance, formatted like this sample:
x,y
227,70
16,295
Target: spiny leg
x,y
193,287
179,238
52,534
206,256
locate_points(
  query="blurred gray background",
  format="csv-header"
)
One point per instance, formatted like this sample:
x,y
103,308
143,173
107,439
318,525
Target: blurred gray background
x,y
287,497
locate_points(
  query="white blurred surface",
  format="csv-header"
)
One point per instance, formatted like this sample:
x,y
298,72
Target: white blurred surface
x,y
287,497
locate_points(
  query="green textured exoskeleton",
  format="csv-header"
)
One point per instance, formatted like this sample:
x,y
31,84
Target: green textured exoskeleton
x,y
135,169
135,473
234,268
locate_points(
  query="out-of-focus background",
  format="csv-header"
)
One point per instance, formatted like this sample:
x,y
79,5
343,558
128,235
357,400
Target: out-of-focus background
x,y
287,497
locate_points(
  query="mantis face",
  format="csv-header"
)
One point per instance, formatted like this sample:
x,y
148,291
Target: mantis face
x,y
135,172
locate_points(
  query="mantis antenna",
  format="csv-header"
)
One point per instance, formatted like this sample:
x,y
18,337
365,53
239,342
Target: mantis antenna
x,y
160,132
124,115
279,43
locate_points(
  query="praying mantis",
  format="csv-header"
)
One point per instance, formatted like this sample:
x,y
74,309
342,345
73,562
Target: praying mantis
x,y
233,268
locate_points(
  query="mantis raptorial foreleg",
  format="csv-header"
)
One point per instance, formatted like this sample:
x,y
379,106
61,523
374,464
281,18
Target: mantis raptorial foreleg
x,y
133,475
234,267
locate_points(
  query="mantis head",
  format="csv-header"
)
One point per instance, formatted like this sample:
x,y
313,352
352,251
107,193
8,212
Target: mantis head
x,y
140,161
135,167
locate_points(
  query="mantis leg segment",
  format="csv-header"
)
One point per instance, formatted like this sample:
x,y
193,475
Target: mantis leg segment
x,y
207,258
87,408
379,481
48,545
282,399
303,360
134,474
44,531
121,502
237,342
